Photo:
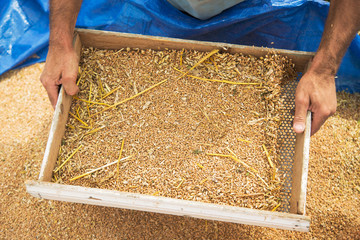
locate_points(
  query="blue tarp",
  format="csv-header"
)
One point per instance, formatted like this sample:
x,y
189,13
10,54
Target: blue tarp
x,y
294,25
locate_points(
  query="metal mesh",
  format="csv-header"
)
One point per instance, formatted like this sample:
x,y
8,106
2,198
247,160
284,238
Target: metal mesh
x,y
286,142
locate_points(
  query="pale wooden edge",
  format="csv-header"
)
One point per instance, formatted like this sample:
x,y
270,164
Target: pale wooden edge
x,y
300,169
305,165
117,40
57,129
134,201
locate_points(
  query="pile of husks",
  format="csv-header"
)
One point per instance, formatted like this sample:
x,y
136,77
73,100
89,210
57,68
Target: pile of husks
x,y
180,124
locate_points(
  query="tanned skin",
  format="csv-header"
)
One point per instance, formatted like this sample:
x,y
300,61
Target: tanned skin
x,y
316,90
62,62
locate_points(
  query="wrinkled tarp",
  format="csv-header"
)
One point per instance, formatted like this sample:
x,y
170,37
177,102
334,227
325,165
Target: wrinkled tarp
x,y
294,25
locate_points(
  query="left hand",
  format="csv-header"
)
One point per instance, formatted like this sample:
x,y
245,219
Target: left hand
x,y
315,92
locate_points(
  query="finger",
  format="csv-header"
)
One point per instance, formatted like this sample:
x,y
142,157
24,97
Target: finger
x,y
320,115
317,121
301,108
52,88
69,84
53,93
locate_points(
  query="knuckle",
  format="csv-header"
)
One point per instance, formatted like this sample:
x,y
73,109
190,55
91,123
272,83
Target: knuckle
x,y
300,101
71,91
326,112
71,76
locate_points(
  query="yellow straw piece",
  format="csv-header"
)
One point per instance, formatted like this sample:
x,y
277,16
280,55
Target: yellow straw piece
x,y
202,60
234,158
97,169
85,127
77,112
223,81
243,163
94,130
181,54
97,103
273,174
182,180
216,80
236,70
213,61
101,86
156,193
77,149
111,92
70,126
121,149
199,165
87,105
243,140
257,175
239,161
227,148
90,91
207,117
268,156
204,180
277,206
81,75
84,123
132,97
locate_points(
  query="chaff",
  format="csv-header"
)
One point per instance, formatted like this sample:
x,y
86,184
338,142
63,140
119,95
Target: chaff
x,y
216,80
102,167
82,122
86,101
76,150
132,97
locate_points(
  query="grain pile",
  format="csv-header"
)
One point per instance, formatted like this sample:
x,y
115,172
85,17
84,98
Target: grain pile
x,y
333,184
208,136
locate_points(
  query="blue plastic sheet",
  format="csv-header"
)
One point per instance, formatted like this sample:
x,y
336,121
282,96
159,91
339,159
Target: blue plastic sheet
x,y
294,25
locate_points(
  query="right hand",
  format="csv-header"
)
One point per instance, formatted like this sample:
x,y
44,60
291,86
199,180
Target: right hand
x,y
61,68
316,93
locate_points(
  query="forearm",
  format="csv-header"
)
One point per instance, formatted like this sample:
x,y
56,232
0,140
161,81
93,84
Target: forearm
x,y
316,90
341,26
63,14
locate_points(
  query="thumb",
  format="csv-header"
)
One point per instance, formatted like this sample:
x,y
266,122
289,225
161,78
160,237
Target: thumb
x,y
301,107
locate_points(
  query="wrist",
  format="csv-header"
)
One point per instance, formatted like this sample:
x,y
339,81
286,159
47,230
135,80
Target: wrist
x,y
61,40
324,64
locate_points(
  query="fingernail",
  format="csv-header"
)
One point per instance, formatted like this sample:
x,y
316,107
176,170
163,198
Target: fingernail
x,y
299,127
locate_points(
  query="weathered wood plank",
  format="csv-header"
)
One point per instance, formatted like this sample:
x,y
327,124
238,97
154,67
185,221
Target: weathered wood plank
x,y
116,40
165,205
300,169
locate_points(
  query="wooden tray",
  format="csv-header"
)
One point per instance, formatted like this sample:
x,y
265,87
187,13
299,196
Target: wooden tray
x,y
44,188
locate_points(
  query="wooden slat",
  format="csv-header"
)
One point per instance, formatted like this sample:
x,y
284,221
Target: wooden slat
x,y
300,169
116,40
165,205
57,129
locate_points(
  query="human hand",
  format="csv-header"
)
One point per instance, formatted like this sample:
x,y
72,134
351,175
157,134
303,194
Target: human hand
x,y
61,68
315,92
